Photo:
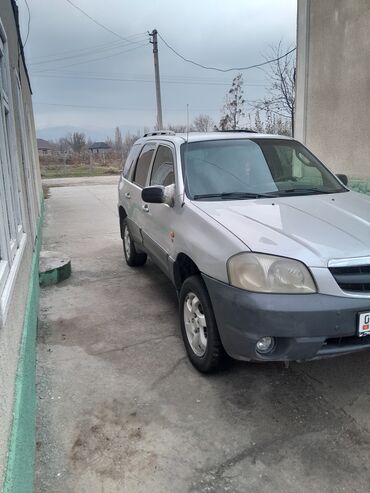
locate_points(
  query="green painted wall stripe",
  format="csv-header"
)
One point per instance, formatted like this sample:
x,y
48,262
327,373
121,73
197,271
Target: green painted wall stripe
x,y
19,474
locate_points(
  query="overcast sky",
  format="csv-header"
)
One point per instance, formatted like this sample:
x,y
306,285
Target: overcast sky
x,y
70,57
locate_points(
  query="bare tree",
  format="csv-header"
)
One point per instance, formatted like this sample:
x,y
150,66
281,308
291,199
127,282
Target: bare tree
x,y
273,124
281,126
109,142
280,99
203,123
63,144
178,128
77,141
127,143
118,140
234,107
258,125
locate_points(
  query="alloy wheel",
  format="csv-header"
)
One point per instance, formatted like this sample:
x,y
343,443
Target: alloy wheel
x,y
195,324
127,242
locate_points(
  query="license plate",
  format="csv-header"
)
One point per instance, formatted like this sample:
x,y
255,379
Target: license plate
x,y
364,324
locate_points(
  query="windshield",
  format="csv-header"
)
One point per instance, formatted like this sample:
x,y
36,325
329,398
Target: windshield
x,y
253,168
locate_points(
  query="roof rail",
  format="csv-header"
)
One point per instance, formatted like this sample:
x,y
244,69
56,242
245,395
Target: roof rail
x,y
240,130
159,132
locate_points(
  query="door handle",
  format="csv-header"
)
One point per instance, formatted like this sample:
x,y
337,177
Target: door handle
x,y
145,207
127,195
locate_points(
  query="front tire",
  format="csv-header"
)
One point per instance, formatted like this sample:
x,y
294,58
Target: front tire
x,y
133,258
198,326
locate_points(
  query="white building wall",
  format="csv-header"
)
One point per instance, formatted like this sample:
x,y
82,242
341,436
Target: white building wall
x,y
333,83
24,162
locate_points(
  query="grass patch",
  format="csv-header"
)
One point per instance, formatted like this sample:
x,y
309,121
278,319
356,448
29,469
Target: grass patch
x,y
361,185
77,171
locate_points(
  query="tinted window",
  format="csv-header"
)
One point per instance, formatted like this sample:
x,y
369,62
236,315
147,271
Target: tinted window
x,y
142,167
163,168
298,168
130,161
271,166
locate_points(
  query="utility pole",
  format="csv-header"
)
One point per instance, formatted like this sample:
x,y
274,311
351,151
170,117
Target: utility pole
x,y
154,42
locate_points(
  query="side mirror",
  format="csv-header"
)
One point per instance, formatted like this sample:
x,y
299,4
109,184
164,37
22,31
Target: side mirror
x,y
343,179
159,195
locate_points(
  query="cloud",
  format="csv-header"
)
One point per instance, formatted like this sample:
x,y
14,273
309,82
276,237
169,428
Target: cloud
x,y
213,32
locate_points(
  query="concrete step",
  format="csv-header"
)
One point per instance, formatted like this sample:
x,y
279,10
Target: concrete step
x,y
54,267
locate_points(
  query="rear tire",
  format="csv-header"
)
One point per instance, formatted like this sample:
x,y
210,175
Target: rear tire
x,y
133,258
199,329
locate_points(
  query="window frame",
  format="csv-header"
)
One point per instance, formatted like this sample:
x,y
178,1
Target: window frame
x,y
130,163
151,146
12,217
10,175
161,144
27,158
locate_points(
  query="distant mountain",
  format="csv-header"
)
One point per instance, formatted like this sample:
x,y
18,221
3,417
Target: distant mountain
x,y
95,133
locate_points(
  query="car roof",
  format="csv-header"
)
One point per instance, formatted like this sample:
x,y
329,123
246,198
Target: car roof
x,y
180,138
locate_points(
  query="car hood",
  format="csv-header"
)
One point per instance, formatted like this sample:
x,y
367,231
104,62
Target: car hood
x,y
311,228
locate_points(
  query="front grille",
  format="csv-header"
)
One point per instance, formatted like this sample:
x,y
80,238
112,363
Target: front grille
x,y
353,279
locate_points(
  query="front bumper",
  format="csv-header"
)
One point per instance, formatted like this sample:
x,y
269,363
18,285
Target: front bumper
x,y
305,326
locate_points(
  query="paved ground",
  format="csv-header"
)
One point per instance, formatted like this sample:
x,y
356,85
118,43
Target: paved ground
x,y
122,410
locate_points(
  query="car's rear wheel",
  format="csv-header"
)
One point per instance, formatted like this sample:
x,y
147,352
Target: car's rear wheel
x,y
198,326
132,256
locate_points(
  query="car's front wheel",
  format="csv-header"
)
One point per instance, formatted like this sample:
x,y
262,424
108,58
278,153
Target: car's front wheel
x,y
132,256
198,326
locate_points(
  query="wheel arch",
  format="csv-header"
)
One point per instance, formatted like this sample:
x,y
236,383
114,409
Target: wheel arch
x,y
122,216
184,267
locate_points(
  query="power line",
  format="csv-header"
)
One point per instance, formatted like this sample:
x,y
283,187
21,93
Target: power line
x,y
98,23
56,71
111,44
149,81
222,69
115,107
100,58
89,106
87,53
28,23
82,50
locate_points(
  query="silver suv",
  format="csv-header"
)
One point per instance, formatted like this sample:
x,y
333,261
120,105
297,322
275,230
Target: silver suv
x,y
268,250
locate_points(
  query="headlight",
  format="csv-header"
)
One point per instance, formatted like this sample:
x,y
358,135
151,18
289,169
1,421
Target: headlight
x,y
269,274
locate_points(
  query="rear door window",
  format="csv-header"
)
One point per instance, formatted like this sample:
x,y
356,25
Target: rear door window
x,y
131,160
143,165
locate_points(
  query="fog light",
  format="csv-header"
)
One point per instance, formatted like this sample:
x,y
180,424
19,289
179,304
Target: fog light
x,y
265,344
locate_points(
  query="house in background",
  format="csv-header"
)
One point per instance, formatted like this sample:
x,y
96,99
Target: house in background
x,y
99,148
333,83
20,219
44,147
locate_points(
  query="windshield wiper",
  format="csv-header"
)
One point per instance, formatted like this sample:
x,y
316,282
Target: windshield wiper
x,y
303,191
232,195
256,195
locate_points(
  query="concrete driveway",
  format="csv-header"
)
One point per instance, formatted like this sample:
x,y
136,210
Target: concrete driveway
x,y
122,410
